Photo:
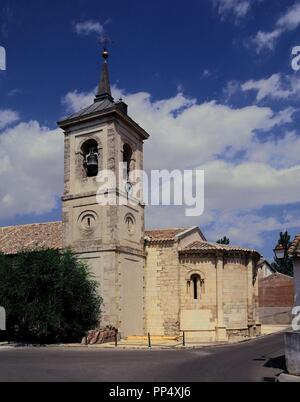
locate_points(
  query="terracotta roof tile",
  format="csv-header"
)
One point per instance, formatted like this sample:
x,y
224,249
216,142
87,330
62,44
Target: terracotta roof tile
x,y
199,246
295,246
164,234
14,239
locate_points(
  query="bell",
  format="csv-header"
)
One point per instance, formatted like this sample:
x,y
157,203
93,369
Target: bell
x,y
92,160
92,163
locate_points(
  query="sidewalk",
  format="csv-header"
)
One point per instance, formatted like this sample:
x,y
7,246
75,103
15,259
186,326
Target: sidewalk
x,y
176,343
273,329
159,342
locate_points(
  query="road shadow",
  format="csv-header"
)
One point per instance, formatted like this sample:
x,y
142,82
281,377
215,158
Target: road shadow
x,y
276,363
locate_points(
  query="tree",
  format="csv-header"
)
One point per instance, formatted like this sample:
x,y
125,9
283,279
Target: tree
x,y
285,265
225,241
49,296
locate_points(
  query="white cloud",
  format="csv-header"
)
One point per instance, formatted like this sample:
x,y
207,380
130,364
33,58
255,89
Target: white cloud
x,y
8,117
266,40
198,131
31,169
291,19
88,27
275,87
206,73
231,88
239,8
280,152
14,92
248,227
75,101
288,21
180,88
250,185
243,174
242,226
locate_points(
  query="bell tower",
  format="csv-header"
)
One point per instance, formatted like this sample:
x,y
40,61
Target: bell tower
x,y
109,236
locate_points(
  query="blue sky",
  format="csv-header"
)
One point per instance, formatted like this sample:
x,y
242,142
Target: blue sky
x,y
222,66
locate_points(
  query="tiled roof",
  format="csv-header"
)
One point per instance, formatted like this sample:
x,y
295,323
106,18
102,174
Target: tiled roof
x,y
101,107
96,107
14,239
202,246
163,234
295,246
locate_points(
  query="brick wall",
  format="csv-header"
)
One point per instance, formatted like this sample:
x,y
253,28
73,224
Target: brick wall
x,y
276,299
276,291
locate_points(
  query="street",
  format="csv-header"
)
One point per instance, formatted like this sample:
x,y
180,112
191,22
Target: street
x,y
256,360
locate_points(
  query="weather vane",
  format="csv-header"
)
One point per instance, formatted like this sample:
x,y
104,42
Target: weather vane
x,y
105,40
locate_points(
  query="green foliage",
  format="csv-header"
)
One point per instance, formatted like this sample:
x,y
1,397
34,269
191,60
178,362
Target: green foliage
x,y
285,265
225,241
49,296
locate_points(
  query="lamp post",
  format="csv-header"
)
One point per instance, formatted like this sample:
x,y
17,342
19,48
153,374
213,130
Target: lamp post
x,y
279,252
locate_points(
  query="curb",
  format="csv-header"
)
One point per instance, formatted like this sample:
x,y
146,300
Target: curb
x,y
288,378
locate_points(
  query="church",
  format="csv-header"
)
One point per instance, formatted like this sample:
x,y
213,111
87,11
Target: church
x,y
160,282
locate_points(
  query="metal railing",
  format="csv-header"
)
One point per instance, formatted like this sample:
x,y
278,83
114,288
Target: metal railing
x,y
151,343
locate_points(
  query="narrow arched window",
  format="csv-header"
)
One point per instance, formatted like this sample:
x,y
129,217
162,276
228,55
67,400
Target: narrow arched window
x,y
196,283
90,157
127,158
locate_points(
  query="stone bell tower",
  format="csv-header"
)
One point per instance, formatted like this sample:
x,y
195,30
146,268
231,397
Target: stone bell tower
x,y
102,137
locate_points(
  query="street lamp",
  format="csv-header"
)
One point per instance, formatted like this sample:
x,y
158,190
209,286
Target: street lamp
x,y
279,252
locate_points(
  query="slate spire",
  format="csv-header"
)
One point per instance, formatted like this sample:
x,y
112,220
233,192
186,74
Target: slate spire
x,y
104,91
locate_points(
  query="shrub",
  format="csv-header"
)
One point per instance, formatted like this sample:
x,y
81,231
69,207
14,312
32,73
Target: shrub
x,y
49,296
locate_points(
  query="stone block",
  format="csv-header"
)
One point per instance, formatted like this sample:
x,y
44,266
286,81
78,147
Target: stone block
x,y
292,352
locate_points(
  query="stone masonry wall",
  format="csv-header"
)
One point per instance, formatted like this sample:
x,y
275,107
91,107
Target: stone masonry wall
x,y
235,290
170,290
205,267
153,314
170,306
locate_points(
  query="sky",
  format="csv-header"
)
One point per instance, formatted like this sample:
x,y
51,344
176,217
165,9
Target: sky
x,y
210,80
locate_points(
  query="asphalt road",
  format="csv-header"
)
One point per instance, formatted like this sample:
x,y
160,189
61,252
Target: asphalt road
x,y
258,360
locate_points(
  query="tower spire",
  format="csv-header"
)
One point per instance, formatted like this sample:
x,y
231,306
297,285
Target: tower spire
x,y
104,91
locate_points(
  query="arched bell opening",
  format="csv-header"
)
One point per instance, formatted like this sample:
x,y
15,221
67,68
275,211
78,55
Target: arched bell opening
x,y
90,157
127,158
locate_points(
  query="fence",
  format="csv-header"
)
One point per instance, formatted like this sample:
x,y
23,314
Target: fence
x,y
150,341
